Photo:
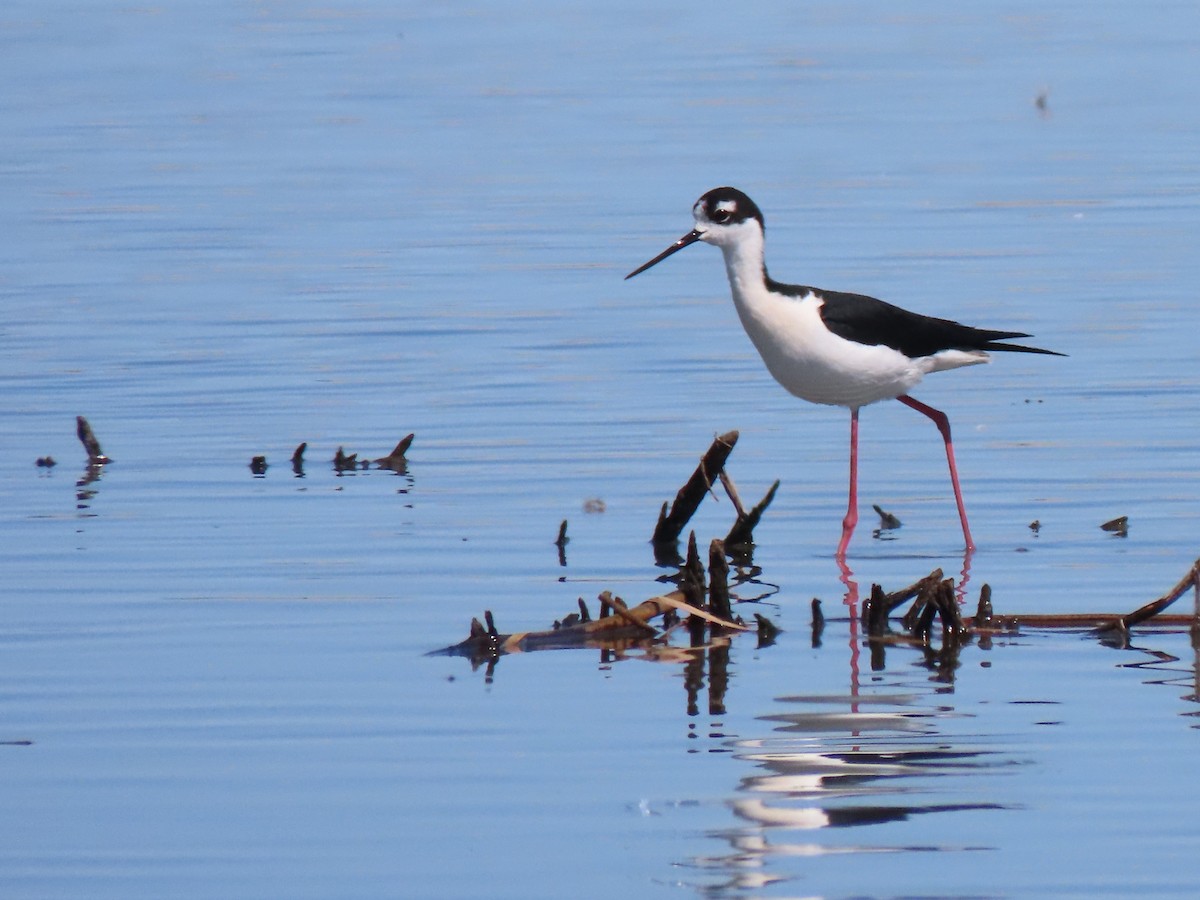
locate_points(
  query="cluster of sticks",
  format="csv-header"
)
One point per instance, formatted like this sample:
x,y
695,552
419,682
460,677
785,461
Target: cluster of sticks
x,y
342,461
396,461
618,627
674,517
936,598
703,597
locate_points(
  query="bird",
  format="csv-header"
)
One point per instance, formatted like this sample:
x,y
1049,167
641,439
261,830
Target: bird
x,y
832,347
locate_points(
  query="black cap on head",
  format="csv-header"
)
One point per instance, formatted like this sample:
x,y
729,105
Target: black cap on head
x,y
727,205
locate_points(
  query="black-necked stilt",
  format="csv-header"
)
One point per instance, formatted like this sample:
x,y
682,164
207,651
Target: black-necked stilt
x,y
832,347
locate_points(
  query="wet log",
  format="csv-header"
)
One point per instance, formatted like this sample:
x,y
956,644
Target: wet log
x,y
671,523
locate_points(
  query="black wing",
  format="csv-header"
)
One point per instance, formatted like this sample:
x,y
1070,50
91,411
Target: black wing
x,y
866,320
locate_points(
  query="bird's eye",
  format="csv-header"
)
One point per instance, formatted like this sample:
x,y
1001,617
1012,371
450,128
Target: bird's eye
x,y
721,216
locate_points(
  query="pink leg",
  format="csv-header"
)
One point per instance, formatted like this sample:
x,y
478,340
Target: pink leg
x,y
943,425
851,519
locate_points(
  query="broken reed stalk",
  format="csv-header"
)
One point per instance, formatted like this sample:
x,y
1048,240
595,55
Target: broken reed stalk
x,y
96,456
742,532
1141,614
402,448
875,612
396,460
687,500
691,576
731,492
718,581
898,598
691,582
983,612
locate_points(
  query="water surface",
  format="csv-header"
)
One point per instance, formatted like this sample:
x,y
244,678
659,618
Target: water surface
x,y
231,228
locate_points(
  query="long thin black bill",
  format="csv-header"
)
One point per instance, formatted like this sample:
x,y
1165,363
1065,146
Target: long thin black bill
x,y
690,238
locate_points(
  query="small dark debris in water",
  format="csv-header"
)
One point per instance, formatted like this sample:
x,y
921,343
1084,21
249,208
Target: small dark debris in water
x,y
1027,400
16,743
343,462
45,462
1042,102
298,459
567,621
96,456
1035,526
561,543
983,611
887,521
396,460
1118,526
767,630
594,505
258,466
818,622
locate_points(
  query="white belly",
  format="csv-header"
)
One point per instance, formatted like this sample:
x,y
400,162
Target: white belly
x,y
818,366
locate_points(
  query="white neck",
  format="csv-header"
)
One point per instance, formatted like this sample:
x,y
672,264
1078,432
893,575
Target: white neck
x,y
746,269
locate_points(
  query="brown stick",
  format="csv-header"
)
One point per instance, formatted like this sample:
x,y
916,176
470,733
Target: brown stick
x,y
731,492
1142,613
742,531
718,581
623,613
96,456
902,596
687,501
396,459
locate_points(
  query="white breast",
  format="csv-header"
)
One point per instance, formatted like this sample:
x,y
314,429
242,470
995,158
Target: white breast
x,y
816,365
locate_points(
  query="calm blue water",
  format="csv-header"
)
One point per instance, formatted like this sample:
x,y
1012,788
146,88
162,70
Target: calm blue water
x,y
230,228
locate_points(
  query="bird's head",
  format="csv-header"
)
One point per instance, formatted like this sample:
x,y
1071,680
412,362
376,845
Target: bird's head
x,y
725,217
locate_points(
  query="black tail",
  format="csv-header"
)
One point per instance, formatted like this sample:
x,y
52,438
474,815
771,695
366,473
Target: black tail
x,y
993,343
